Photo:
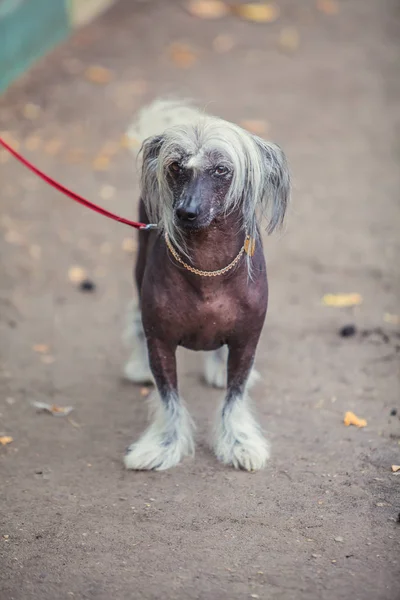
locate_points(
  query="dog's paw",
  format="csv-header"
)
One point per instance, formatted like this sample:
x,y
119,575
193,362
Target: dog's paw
x,y
160,449
137,370
251,454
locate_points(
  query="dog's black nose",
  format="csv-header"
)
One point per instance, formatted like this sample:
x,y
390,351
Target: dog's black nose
x,y
186,214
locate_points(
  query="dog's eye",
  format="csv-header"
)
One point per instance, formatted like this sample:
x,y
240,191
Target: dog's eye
x,y
221,170
175,168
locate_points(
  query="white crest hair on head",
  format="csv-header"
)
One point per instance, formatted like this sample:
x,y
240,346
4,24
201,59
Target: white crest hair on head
x,y
260,185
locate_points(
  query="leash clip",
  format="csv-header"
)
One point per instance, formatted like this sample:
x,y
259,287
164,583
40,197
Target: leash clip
x,y
148,227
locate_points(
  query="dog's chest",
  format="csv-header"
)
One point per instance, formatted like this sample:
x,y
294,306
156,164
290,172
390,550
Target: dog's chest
x,y
206,322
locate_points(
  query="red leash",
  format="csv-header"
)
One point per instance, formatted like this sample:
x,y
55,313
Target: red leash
x,y
70,194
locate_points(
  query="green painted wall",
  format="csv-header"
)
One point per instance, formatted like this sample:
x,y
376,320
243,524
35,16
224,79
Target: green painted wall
x,y
28,28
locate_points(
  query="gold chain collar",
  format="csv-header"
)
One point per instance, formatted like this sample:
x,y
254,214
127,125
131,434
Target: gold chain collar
x,y
248,247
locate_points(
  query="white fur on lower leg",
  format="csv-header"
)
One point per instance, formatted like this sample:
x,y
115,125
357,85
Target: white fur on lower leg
x,y
137,369
166,441
238,440
215,369
215,372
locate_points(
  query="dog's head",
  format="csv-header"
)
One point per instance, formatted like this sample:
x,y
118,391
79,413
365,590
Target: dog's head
x,y
193,175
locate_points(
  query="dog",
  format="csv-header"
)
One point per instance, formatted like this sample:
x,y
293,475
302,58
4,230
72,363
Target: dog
x,y
201,276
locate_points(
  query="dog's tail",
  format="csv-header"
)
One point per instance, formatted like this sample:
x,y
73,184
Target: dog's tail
x,y
158,116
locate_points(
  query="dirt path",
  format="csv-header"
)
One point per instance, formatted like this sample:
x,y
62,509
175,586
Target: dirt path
x,y
320,522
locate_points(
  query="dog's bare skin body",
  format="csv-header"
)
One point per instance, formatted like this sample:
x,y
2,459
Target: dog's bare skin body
x,y
180,308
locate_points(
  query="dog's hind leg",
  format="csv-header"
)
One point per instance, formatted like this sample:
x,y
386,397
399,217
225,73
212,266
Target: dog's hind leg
x,y
238,439
215,372
215,369
169,437
137,368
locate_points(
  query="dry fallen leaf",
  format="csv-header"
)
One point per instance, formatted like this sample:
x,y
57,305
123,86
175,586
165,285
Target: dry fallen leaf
x,y
259,13
351,419
256,126
392,319
207,9
395,468
57,411
129,245
223,43
329,7
76,274
182,55
9,138
75,155
31,111
144,391
107,192
6,439
101,162
128,141
41,348
289,39
97,74
340,300
32,143
52,147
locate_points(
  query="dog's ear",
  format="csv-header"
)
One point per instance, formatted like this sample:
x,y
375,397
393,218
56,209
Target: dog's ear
x,y
150,151
274,198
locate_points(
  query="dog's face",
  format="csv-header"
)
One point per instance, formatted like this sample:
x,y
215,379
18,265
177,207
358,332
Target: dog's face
x,y
195,174
199,186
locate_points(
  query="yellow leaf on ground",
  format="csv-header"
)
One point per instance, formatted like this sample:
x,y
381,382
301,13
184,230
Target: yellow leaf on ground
x,y
256,126
182,55
6,439
329,7
395,468
32,143
144,391
76,274
223,43
41,348
351,419
207,9
52,147
129,142
129,245
258,13
392,319
75,155
97,74
340,300
289,39
31,111
101,162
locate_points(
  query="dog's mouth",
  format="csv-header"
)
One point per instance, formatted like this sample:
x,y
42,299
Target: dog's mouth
x,y
193,225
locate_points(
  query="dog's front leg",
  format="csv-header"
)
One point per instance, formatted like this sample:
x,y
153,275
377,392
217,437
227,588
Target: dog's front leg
x,y
238,439
169,437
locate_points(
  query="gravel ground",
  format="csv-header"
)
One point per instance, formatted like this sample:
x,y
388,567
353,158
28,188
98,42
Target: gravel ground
x,y
321,522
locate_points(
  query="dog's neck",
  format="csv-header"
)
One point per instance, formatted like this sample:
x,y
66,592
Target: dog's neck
x,y
216,246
